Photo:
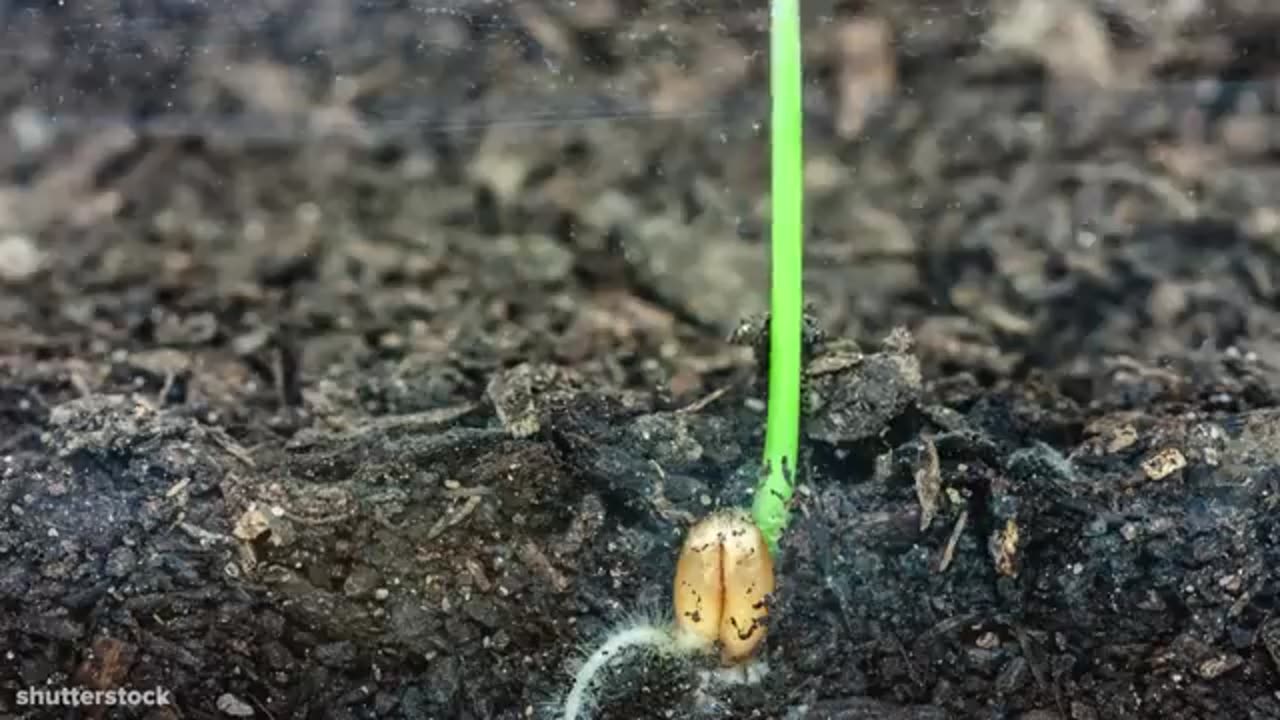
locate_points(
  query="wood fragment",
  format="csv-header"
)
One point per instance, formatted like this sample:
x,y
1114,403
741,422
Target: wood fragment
x,y
701,403
449,521
949,551
928,481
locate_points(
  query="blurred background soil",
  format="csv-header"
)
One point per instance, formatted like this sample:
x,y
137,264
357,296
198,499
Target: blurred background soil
x,y
368,359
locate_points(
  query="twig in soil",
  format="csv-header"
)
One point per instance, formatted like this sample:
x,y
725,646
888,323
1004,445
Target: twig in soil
x,y
701,403
928,481
177,487
449,521
317,522
413,422
169,379
231,447
949,552
206,536
468,492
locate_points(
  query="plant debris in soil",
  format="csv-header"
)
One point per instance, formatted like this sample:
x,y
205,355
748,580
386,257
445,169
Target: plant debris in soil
x,y
370,362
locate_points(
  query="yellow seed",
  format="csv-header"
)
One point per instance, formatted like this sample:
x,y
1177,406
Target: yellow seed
x,y
699,583
723,581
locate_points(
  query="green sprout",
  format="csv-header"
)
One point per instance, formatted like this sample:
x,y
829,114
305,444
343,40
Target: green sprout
x,y
770,508
724,565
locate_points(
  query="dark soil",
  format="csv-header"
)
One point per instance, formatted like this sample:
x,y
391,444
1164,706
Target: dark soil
x,y
363,361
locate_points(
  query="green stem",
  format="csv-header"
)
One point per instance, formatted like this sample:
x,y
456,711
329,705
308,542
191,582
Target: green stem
x,y
782,433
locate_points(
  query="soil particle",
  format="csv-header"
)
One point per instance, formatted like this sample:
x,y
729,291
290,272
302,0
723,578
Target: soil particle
x,y
853,398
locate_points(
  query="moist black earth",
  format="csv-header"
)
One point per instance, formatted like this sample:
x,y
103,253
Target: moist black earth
x,y
369,360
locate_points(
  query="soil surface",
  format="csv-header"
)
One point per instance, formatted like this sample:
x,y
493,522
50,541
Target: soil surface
x,y
369,360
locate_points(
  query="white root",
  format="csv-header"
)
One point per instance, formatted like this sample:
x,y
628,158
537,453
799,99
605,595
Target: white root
x,y
666,640
579,697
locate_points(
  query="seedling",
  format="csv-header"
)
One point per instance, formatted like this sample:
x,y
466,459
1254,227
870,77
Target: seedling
x,y
723,580
771,505
724,575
